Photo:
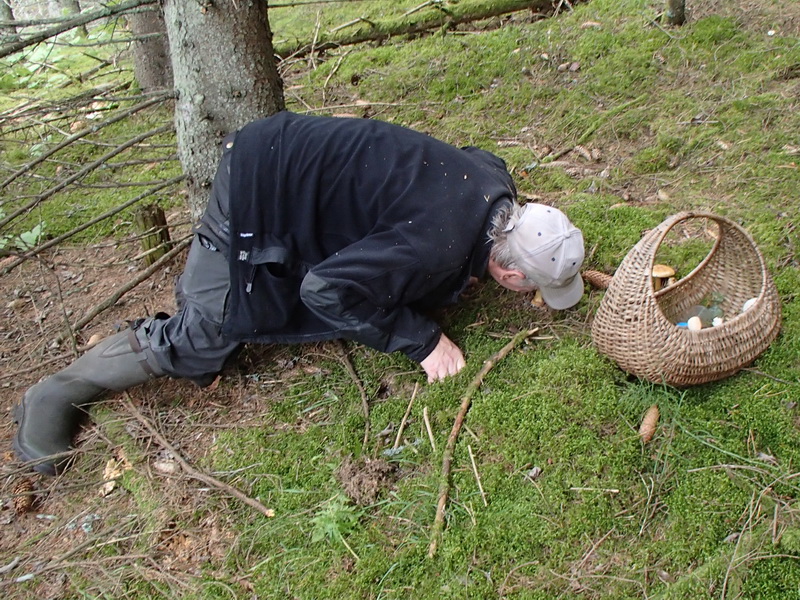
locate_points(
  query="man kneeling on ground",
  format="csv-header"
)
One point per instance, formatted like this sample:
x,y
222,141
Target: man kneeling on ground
x,y
321,228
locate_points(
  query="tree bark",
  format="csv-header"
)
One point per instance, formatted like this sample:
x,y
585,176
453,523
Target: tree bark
x,y
73,7
675,13
151,63
225,76
8,33
66,25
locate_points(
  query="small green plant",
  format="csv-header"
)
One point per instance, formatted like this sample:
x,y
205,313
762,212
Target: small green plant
x,y
25,240
336,518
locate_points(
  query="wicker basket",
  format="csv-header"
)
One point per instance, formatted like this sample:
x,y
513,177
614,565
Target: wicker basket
x,y
635,324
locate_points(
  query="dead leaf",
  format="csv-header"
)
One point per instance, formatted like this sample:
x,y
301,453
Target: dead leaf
x,y
94,339
17,303
113,471
767,458
214,384
168,467
664,576
583,152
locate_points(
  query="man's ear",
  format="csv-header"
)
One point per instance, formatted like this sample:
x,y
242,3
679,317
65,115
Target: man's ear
x,y
511,275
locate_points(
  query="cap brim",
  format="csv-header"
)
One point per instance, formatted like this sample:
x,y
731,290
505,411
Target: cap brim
x,y
564,297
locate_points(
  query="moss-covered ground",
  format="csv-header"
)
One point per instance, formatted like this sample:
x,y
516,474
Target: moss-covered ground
x,y
646,121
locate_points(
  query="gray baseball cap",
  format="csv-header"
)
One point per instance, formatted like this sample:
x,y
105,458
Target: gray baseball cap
x,y
549,249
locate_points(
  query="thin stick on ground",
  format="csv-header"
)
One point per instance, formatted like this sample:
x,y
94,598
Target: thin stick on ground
x,y
351,370
189,469
447,458
405,417
428,427
477,476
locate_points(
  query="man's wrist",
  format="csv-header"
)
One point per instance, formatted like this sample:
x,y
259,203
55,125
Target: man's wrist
x,y
425,350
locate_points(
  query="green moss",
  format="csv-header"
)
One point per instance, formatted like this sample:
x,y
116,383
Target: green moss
x,y
708,115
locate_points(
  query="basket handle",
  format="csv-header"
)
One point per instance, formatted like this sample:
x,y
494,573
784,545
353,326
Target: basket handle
x,y
657,235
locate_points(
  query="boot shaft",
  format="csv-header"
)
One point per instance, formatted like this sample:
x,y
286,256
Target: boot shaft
x,y
50,412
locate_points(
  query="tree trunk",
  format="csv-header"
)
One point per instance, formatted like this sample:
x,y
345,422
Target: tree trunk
x,y
225,76
675,13
8,33
151,63
73,7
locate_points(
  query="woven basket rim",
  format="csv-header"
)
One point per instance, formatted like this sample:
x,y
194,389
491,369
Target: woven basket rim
x,y
668,224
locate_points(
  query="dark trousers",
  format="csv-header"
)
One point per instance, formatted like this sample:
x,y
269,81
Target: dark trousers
x,y
190,343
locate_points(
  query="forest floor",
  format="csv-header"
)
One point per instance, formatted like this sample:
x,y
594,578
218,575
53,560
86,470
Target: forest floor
x,y
708,510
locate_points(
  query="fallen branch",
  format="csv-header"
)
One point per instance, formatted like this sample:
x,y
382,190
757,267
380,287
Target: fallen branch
x,y
82,133
82,19
447,458
21,112
121,291
83,172
453,15
110,213
189,469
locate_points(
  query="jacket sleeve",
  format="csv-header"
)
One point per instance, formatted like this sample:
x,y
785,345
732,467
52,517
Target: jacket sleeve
x,y
364,292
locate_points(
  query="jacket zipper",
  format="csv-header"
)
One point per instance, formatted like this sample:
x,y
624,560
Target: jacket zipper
x,y
250,277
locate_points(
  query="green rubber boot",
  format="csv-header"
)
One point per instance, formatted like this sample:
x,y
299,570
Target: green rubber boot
x,y
50,412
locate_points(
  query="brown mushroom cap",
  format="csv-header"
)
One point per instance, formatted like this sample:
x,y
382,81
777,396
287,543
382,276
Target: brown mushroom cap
x,y
663,271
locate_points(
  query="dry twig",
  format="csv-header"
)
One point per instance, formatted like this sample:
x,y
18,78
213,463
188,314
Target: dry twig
x,y
477,476
106,215
189,469
447,459
405,417
93,128
83,172
345,359
119,292
428,427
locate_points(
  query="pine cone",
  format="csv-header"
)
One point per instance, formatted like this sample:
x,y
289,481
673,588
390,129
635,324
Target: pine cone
x,y
23,498
597,279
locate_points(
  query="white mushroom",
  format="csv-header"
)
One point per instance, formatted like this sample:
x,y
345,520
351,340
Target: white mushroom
x,y
694,324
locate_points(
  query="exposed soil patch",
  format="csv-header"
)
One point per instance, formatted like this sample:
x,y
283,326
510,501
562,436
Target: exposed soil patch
x,y
365,480
780,18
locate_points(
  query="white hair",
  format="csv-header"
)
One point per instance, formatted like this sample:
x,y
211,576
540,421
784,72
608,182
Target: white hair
x,y
504,221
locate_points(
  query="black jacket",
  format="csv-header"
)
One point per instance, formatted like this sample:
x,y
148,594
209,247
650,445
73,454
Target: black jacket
x,y
352,228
